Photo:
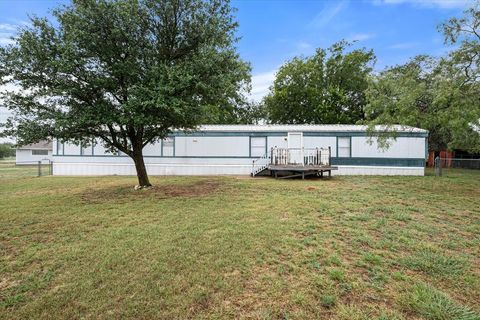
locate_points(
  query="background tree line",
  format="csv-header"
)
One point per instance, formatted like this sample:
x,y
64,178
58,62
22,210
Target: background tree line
x,y
338,85
6,150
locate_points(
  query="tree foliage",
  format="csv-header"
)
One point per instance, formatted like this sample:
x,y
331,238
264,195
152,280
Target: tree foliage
x,y
6,150
440,95
247,113
328,87
465,31
125,71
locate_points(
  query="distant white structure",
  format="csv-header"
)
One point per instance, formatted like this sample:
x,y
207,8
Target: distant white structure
x,y
32,153
231,149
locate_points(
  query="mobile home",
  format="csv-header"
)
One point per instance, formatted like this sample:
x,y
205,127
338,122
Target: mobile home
x,y
232,149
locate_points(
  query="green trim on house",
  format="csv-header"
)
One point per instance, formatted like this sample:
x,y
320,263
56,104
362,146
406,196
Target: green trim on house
x,y
387,162
350,149
159,157
336,146
337,161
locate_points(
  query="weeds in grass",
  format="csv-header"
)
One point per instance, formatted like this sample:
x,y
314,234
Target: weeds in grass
x,y
437,263
328,301
372,259
432,304
336,274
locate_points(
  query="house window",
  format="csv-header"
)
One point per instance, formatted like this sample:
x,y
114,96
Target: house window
x,y
168,145
258,146
39,152
344,147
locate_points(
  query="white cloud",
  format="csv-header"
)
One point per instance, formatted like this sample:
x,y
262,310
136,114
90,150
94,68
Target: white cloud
x,y
327,14
7,30
261,83
8,27
443,4
5,39
302,48
361,36
302,45
403,45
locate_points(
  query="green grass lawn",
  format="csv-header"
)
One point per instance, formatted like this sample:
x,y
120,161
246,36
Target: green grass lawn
x,y
225,247
9,170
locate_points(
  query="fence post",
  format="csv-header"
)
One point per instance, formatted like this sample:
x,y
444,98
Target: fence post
x,y
329,156
39,168
438,167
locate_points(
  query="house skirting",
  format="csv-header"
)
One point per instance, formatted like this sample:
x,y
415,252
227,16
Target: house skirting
x,y
165,169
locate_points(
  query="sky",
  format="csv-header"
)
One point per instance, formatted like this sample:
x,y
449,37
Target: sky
x,y
273,31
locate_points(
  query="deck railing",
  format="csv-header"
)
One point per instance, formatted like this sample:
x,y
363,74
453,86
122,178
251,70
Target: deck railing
x,y
300,156
258,165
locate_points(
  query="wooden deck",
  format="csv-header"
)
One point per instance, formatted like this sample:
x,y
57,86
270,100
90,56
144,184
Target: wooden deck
x,y
296,171
294,163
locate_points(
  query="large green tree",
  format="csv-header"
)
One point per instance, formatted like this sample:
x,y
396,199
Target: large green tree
x,y
125,71
441,95
328,87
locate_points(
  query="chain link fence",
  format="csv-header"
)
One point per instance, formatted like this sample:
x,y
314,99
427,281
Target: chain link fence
x,y
455,166
11,169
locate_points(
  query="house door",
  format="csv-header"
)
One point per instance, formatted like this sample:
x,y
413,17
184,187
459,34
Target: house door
x,y
295,147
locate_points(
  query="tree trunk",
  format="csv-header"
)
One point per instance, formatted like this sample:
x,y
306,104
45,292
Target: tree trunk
x,y
141,169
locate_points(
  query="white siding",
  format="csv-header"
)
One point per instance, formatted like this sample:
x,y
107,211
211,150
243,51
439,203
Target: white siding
x,y
276,141
152,149
379,170
320,142
71,149
403,147
26,157
231,146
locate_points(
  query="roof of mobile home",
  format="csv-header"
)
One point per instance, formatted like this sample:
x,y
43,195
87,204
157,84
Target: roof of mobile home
x,y
41,145
306,128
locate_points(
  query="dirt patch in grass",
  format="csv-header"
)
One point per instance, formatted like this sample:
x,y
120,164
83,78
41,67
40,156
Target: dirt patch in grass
x,y
126,193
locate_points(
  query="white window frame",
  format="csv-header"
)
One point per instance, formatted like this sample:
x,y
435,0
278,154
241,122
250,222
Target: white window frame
x,y
344,150
257,151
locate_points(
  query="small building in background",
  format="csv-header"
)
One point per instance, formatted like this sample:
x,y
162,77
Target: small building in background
x,y
32,153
